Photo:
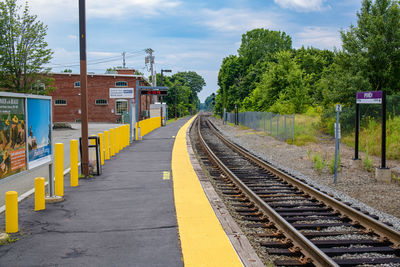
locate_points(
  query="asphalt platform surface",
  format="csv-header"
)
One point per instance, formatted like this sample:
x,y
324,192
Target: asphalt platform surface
x,y
125,217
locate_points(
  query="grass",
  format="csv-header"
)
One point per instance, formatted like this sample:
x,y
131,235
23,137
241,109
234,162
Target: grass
x,y
331,164
368,163
306,129
319,163
371,138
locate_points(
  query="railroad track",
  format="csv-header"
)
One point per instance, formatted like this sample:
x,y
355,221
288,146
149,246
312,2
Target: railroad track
x,y
301,224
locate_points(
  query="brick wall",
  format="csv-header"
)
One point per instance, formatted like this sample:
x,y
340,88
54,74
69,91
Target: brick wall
x,y
98,88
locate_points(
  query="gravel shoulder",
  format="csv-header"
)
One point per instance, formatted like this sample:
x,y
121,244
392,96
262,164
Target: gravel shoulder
x,y
355,185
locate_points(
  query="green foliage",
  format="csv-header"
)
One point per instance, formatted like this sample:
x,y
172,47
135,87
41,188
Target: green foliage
x,y
282,88
374,43
319,163
331,164
182,95
258,42
67,71
368,163
23,51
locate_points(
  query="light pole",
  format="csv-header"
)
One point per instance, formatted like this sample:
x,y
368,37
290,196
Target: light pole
x,y
161,98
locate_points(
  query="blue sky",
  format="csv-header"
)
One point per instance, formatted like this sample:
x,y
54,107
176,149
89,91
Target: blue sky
x,y
185,35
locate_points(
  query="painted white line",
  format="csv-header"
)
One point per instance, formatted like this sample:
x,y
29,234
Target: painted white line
x,y
30,192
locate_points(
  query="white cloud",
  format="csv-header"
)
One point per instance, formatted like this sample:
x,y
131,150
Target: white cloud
x,y
319,37
301,5
67,10
238,20
73,37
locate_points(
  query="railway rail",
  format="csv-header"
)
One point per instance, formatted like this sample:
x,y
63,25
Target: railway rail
x,y
305,226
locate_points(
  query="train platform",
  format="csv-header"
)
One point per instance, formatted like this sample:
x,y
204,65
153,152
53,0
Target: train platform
x,y
134,214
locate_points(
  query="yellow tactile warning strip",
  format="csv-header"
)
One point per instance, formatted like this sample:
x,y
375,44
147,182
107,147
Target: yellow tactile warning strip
x,y
203,241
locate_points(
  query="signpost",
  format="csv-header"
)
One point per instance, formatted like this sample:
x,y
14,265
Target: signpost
x,y
373,97
338,109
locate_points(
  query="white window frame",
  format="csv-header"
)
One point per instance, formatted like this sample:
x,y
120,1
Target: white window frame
x,y
77,86
117,112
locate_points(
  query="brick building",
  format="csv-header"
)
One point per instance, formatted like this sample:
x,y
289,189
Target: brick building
x,y
104,104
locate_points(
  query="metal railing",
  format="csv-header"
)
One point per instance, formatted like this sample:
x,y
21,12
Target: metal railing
x,y
276,125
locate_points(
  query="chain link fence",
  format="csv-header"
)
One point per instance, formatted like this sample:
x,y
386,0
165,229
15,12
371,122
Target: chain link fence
x,y
276,125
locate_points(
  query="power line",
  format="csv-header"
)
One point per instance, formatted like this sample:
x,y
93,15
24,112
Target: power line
x,y
99,61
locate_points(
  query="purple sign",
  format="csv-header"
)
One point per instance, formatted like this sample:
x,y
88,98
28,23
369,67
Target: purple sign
x,y
373,97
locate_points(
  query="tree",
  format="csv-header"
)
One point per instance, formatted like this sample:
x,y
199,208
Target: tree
x,y
259,42
23,51
282,88
67,71
375,44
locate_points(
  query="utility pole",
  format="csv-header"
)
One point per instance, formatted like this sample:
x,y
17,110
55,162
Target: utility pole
x,y
84,95
150,60
123,60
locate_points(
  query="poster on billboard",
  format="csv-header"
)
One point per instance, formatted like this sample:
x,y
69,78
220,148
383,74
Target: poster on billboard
x,y
39,131
12,136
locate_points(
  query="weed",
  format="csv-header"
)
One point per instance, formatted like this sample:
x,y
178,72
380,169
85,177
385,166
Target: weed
x,y
332,164
319,163
368,163
309,153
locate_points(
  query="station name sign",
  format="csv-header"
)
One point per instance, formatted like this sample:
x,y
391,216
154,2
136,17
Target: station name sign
x,y
372,97
121,92
154,92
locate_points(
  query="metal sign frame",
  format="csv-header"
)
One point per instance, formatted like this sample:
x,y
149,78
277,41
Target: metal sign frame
x,y
49,163
373,97
138,95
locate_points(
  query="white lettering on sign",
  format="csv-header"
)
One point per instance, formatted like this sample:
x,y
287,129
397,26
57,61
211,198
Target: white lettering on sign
x,y
368,95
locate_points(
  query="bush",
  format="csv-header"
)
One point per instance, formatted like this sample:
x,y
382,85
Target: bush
x,y
319,163
368,163
332,164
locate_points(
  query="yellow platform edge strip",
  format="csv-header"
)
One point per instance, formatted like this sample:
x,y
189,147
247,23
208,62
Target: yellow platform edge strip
x,y
203,240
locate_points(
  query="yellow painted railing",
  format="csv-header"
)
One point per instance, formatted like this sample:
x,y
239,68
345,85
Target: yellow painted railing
x,y
146,126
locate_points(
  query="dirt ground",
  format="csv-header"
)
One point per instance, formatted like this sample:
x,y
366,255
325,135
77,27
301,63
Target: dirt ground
x,y
353,179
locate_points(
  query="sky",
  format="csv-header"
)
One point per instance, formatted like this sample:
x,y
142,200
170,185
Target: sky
x,y
185,35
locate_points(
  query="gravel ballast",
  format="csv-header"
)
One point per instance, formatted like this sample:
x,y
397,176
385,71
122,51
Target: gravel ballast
x,y
355,185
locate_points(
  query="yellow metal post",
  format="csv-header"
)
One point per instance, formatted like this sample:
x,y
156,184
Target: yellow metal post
x,y
101,148
112,142
125,135
74,162
11,212
40,203
117,140
59,169
107,145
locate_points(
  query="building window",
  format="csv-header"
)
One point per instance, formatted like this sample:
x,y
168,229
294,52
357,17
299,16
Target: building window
x,y
77,84
121,84
121,106
60,102
101,102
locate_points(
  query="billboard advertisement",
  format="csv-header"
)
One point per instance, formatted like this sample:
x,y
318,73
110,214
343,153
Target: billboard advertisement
x,y
39,131
12,136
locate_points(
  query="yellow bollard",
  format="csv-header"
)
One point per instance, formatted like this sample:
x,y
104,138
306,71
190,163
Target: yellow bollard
x,y
40,203
127,135
59,169
74,162
124,128
107,145
112,142
117,140
101,143
11,212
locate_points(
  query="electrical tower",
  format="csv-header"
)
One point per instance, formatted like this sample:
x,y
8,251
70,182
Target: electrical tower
x,y
123,60
150,60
